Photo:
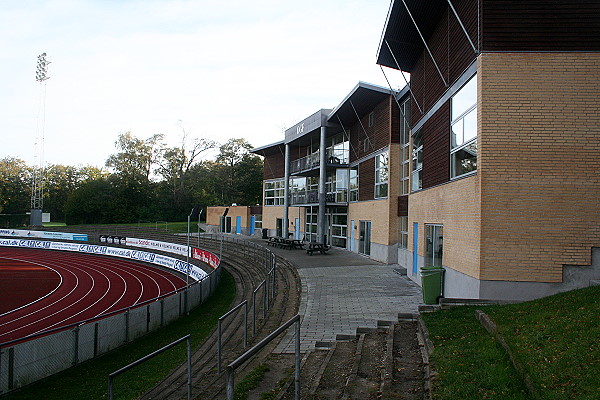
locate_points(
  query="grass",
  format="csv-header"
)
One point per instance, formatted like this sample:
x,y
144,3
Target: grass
x,y
89,380
554,338
250,381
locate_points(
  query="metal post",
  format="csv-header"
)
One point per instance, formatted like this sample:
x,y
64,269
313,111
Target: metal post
x,y
219,346
297,375
286,191
189,366
230,383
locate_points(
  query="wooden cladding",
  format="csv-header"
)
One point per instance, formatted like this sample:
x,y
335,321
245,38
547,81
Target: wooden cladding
x,y
385,129
366,180
541,25
274,166
436,148
452,53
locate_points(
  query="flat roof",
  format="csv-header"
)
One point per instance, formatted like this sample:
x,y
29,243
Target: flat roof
x,y
268,149
401,35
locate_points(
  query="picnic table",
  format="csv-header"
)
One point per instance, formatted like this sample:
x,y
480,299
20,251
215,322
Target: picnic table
x,y
316,246
285,243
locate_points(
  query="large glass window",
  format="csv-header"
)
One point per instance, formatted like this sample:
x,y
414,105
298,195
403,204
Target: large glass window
x,y
274,191
354,184
434,246
463,139
381,175
417,161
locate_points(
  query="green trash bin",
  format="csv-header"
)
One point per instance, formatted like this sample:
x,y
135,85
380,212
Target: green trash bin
x,y
432,283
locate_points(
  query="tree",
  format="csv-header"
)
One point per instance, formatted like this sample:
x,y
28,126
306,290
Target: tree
x,y
15,189
241,173
176,163
134,162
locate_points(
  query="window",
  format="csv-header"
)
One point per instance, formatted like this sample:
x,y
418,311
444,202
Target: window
x,y
258,221
434,246
405,149
371,119
274,191
417,161
403,240
381,175
354,184
463,139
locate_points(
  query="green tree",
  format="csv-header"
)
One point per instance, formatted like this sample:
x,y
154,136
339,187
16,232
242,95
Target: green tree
x,y
241,173
136,157
15,189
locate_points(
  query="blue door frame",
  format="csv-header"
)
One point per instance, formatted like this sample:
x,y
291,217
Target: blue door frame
x,y
238,225
415,247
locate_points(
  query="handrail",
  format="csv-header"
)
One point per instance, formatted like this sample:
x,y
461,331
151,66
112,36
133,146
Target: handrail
x,y
262,284
228,313
256,348
126,368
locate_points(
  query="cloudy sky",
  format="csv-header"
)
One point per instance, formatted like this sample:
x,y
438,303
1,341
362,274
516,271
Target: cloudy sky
x,y
225,69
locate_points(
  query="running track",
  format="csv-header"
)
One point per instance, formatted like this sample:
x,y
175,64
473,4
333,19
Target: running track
x,y
86,286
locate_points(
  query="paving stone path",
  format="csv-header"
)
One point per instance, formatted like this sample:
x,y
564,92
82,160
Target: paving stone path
x,y
343,291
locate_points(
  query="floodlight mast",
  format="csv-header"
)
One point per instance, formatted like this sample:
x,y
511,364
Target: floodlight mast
x,y
37,186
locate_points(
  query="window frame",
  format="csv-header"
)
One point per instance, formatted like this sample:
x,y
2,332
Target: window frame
x,y
380,183
470,145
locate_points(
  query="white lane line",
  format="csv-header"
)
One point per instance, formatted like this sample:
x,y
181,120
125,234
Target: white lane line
x,y
41,298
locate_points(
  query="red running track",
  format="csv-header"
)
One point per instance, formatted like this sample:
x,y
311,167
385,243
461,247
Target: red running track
x,y
80,287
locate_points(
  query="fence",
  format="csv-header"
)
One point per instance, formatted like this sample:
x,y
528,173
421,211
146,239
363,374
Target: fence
x,y
22,363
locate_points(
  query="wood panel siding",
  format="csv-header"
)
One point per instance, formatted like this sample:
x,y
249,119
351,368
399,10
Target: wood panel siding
x,y
541,25
452,53
366,180
274,166
436,148
379,135
403,206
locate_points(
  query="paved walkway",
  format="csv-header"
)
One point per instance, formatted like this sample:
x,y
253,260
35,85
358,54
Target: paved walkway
x,y
342,291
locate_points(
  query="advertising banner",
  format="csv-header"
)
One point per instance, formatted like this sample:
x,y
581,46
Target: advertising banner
x,y
174,248
193,271
43,234
205,256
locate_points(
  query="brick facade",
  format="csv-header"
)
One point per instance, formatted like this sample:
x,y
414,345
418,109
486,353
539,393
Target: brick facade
x,y
539,163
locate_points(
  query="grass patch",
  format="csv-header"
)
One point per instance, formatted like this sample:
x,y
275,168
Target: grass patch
x,y
89,380
470,363
554,338
250,381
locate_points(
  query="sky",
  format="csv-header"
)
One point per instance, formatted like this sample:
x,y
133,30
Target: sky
x,y
216,69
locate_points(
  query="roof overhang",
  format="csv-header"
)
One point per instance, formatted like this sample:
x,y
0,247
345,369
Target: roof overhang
x,y
401,34
361,100
269,149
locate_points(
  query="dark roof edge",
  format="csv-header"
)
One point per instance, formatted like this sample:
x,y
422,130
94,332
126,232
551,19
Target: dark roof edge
x,y
385,26
258,150
364,85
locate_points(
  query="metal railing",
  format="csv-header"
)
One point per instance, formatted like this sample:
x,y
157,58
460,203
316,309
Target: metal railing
x,y
126,368
230,372
245,304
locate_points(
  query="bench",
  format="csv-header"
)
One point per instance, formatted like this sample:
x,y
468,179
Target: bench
x,y
320,247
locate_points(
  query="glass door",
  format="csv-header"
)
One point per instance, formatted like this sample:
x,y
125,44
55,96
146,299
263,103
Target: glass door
x,y
364,241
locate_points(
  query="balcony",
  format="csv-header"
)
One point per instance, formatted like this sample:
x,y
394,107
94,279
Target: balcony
x,y
335,158
312,197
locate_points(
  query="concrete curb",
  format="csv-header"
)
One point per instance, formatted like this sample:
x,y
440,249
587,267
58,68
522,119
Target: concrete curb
x,y
426,346
492,328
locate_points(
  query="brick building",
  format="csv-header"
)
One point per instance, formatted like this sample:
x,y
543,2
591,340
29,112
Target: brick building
x,y
344,175
505,126
487,164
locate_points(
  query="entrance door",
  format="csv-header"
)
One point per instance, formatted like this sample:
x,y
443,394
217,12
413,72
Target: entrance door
x,y
252,222
238,225
297,227
279,227
352,227
364,241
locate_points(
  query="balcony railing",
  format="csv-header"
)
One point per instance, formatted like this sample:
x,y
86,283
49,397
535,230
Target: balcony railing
x,y
312,197
335,157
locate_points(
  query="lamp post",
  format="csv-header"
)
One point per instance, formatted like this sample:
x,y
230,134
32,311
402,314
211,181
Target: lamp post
x,y
37,187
